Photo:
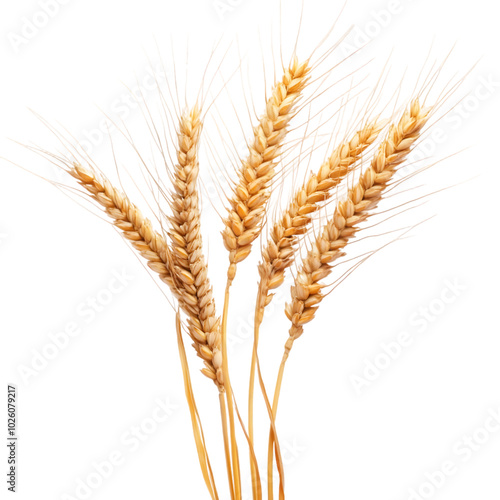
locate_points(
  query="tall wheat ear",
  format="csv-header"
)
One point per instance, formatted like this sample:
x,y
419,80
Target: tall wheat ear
x,y
252,191
191,269
189,263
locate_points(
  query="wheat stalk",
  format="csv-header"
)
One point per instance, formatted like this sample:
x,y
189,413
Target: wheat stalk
x,y
248,207
189,262
248,204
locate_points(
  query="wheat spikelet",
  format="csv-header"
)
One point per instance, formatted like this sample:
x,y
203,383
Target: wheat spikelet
x,y
129,219
189,266
364,196
248,204
278,253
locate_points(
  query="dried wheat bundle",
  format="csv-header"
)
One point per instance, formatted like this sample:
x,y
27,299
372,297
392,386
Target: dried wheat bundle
x,y
177,257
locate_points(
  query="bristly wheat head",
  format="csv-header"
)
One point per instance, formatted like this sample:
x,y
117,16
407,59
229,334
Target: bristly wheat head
x,y
189,263
278,253
129,219
248,204
364,196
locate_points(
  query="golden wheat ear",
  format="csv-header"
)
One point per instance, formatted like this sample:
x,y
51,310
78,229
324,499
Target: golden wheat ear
x,y
189,264
252,191
129,220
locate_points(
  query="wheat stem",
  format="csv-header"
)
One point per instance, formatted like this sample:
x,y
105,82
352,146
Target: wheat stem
x,y
223,413
195,418
270,446
229,395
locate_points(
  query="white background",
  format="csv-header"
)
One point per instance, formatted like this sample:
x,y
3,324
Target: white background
x,y
380,442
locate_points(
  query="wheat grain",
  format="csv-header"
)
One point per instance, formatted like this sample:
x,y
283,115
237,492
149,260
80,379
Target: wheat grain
x,y
248,204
